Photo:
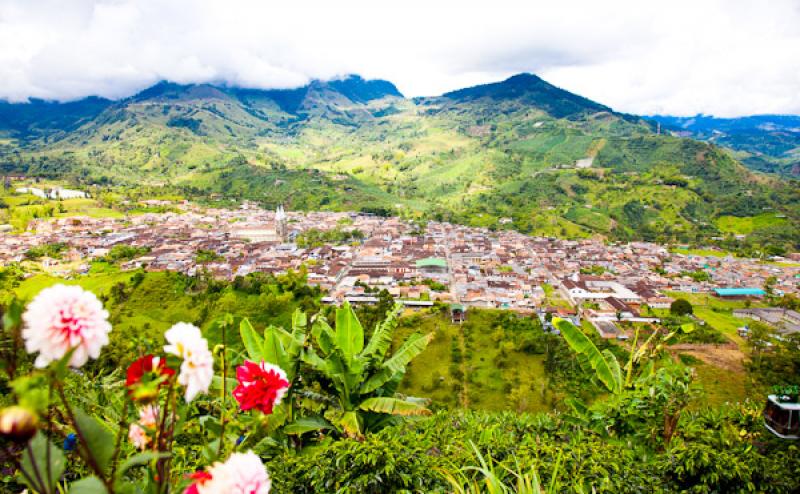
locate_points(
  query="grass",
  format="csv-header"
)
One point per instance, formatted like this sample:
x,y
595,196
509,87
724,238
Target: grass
x,y
719,385
701,252
746,225
99,283
716,312
494,378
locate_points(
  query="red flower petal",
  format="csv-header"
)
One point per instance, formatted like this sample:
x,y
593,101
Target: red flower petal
x,y
259,387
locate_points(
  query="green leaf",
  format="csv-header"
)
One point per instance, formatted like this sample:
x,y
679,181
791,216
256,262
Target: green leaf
x,y
349,333
35,468
299,321
99,440
607,372
393,406
252,341
376,380
351,423
324,335
88,485
413,346
274,351
307,424
688,327
140,459
613,365
382,337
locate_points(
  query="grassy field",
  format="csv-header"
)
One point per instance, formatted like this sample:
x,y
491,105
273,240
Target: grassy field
x,y
719,385
717,312
746,225
700,252
475,365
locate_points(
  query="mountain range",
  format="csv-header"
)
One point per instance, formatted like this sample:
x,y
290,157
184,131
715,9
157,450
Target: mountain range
x,y
539,158
768,143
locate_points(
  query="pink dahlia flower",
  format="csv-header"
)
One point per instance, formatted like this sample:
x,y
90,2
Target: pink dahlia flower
x,y
138,436
242,473
148,417
61,318
197,369
261,386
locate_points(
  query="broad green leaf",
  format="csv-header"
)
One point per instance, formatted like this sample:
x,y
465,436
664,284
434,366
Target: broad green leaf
x,y
351,423
307,424
613,364
324,335
274,351
299,321
139,459
688,327
99,440
413,346
311,358
34,464
393,406
253,343
88,485
349,333
581,344
382,337
376,380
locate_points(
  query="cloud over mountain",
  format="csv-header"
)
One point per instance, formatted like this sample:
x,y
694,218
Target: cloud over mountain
x,y
721,57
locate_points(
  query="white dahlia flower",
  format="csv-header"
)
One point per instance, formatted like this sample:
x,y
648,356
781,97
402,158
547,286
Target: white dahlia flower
x,y
197,369
64,317
242,473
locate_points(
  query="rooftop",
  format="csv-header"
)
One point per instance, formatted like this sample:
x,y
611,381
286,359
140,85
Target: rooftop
x,y
738,292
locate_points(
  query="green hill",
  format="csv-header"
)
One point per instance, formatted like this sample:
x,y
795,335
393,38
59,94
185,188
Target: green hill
x,y
554,162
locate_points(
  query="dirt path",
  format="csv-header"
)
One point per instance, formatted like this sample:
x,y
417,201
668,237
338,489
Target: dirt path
x,y
728,356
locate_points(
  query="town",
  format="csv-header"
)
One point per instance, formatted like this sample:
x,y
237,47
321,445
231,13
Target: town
x,y
353,256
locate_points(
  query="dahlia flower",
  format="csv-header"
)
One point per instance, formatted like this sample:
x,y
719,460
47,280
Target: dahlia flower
x,y
242,473
61,318
142,379
137,434
197,369
261,386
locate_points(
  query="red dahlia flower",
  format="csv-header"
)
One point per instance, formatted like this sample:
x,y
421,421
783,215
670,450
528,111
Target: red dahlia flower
x,y
200,478
261,386
145,376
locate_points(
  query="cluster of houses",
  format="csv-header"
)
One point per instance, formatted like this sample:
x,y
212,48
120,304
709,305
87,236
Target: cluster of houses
x,y
458,265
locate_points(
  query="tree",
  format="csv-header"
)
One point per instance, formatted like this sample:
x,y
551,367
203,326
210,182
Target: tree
x,y
681,307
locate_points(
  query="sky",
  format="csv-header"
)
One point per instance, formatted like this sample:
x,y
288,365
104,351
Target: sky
x,y
720,57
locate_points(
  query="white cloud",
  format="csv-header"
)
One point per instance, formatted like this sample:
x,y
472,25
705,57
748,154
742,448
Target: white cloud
x,y
682,57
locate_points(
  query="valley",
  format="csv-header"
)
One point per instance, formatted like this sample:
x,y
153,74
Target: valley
x,y
519,154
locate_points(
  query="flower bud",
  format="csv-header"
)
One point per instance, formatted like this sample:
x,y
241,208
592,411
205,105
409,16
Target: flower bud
x,y
18,423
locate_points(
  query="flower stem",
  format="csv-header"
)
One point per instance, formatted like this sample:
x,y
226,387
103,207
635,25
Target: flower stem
x,y
221,448
87,454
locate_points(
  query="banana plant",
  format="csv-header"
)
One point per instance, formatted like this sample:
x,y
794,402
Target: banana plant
x,y
605,365
363,378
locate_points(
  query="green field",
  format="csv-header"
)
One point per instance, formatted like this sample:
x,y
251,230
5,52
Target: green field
x,y
475,365
746,225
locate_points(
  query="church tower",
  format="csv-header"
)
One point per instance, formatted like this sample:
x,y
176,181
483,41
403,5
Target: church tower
x,y
280,223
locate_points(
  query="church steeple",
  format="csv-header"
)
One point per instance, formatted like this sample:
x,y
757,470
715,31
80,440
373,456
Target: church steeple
x,y
280,223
